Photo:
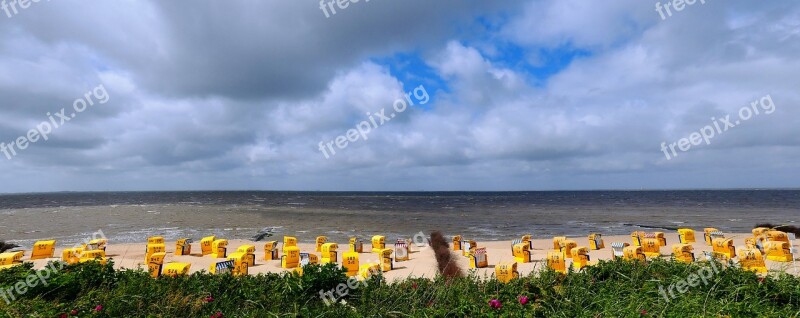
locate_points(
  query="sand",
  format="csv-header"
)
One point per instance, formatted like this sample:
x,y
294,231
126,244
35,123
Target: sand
x,y
421,264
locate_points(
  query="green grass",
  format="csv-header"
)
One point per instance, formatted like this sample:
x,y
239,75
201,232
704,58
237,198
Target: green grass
x,y
609,289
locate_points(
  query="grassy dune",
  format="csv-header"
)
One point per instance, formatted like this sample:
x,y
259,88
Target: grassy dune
x,y
610,289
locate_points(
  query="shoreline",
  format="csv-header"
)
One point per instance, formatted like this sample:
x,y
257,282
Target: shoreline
x,y
422,261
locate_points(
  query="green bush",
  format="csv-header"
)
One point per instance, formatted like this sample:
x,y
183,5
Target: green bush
x,y
609,289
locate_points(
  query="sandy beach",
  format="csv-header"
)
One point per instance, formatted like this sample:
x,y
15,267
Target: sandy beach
x,y
421,264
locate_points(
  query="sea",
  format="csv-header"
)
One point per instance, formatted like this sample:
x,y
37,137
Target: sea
x,y
126,217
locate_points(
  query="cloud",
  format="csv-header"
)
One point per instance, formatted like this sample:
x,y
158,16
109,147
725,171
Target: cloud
x,y
209,95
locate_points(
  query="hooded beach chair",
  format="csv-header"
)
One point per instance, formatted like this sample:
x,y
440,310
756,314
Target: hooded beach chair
x,y
356,245
11,258
651,247
155,240
155,262
350,263
686,236
240,263
478,259
724,246
249,252
401,252
528,238
636,237
557,242
779,251
368,270
206,245
522,253
220,248
760,231
330,253
222,267
506,271
468,246
683,252
291,257
43,249
387,263
567,246
153,249
580,258
777,236
596,241
618,250
707,234
271,251
308,259
183,247
320,240
176,269
289,241
378,243
634,253
751,259
556,261
457,242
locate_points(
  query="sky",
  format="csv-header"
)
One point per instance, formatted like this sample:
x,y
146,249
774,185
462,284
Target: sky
x,y
483,95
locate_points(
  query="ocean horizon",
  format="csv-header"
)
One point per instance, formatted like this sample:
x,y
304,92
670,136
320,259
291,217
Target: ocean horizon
x,y
133,216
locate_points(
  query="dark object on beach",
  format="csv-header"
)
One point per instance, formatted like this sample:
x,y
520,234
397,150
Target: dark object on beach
x,y
782,228
264,233
6,246
441,248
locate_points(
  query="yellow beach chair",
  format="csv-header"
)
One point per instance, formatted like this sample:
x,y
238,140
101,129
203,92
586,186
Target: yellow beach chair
x,y
183,247
686,236
596,241
350,263
506,271
378,243
556,261
751,259
457,242
155,262
320,240
176,269
478,259
271,251
207,245
43,249
724,246
356,245
683,252
291,257
330,254
580,257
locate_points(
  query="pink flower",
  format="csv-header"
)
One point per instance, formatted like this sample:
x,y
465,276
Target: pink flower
x,y
217,315
62,316
523,300
644,312
98,308
495,304
74,312
208,299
